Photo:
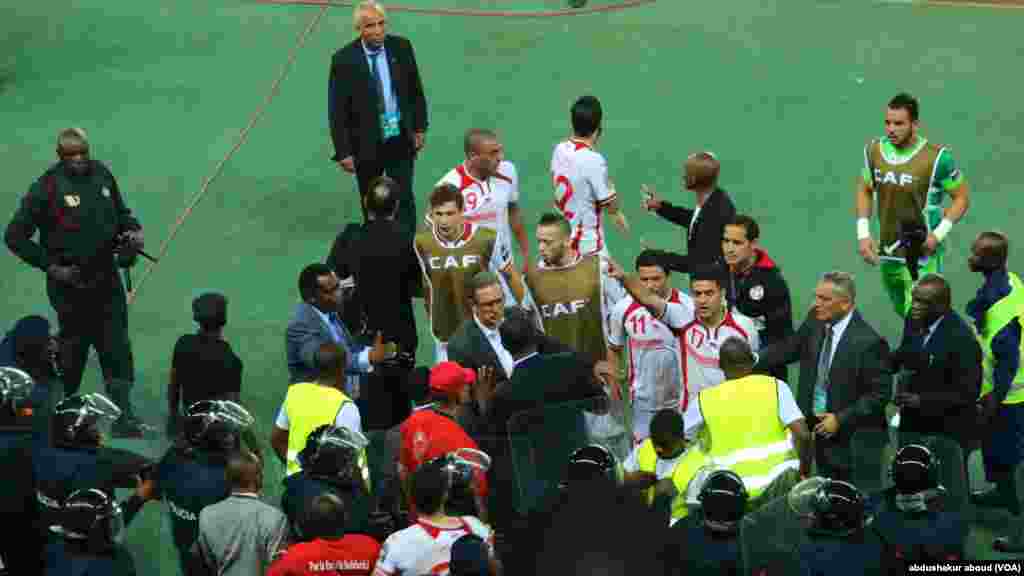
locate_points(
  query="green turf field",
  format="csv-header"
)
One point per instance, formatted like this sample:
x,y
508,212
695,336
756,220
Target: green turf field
x,y
786,93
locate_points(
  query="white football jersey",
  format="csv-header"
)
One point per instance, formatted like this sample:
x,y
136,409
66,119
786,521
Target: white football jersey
x,y
701,345
423,548
655,352
486,202
582,190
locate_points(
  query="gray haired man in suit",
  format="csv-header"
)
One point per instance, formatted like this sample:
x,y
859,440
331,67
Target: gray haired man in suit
x,y
844,383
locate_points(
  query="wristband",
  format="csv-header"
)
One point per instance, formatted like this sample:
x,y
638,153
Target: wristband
x,y
942,229
863,228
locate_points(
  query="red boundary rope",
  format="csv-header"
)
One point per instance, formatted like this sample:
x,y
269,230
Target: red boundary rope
x,y
624,4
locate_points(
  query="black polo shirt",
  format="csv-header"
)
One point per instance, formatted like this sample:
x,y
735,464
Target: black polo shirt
x,y
205,367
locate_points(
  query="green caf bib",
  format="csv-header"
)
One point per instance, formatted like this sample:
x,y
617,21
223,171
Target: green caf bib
x,y
570,303
904,185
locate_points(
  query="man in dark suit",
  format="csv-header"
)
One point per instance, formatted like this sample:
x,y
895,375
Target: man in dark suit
x,y
377,109
706,222
943,359
379,257
537,381
844,381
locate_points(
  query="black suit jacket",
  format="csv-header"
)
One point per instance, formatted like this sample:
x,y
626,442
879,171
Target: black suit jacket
x,y
947,375
380,256
860,384
704,234
352,110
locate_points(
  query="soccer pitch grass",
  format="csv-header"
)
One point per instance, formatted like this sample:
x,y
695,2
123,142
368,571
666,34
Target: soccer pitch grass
x,y
785,93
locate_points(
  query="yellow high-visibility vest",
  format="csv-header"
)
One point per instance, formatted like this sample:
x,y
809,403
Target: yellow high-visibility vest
x,y
309,406
996,318
742,419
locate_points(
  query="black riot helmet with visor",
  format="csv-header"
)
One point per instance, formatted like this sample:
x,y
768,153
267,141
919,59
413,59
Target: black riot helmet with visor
x,y
832,507
335,454
93,518
461,468
83,420
215,425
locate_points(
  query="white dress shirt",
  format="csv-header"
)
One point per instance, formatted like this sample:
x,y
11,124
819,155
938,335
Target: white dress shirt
x,y
837,334
494,337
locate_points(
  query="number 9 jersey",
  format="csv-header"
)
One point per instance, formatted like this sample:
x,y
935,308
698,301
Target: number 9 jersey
x,y
582,189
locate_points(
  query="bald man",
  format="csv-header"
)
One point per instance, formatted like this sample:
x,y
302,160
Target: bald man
x,y
705,222
241,535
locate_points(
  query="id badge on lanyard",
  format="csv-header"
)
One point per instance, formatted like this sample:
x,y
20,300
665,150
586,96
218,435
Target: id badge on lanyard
x,y
390,127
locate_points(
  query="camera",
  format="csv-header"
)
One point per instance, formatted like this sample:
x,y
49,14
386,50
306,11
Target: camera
x,y
912,236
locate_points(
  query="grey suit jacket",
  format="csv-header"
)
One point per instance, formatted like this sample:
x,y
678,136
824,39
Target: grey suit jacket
x,y
859,384
306,333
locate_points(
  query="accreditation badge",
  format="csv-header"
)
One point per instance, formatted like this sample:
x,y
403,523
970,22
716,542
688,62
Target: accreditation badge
x,y
72,201
106,192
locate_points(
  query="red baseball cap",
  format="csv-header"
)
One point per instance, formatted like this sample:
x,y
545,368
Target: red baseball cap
x,y
450,377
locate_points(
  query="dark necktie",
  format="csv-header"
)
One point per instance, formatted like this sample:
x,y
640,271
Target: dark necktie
x,y
377,82
825,358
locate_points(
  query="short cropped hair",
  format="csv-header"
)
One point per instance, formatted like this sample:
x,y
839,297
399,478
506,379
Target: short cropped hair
x,y
940,283
481,280
702,170
242,469
518,333
72,137
749,225
362,8
667,423
429,488
308,280
476,136
325,518
552,219
735,353
382,196
906,102
330,359
997,249
586,116
843,283
650,258
708,271
445,193
210,310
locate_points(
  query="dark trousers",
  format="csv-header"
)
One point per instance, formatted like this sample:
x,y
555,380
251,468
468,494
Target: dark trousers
x,y
1002,444
394,158
95,317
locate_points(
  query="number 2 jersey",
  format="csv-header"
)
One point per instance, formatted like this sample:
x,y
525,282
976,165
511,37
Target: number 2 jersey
x,y
582,190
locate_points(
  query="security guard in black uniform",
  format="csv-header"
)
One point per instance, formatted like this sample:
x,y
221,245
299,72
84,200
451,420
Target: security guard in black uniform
x,y
78,459
22,551
840,541
190,476
330,464
706,541
91,529
85,233
910,516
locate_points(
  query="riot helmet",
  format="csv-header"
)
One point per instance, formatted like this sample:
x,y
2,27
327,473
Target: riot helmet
x,y
92,517
723,499
592,463
15,394
215,425
915,469
334,453
83,419
460,468
832,507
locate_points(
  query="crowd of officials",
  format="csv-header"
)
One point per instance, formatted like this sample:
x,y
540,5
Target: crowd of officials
x,y
575,416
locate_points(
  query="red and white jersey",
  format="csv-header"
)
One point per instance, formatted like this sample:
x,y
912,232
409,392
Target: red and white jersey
x,y
424,548
655,352
486,202
582,190
701,345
